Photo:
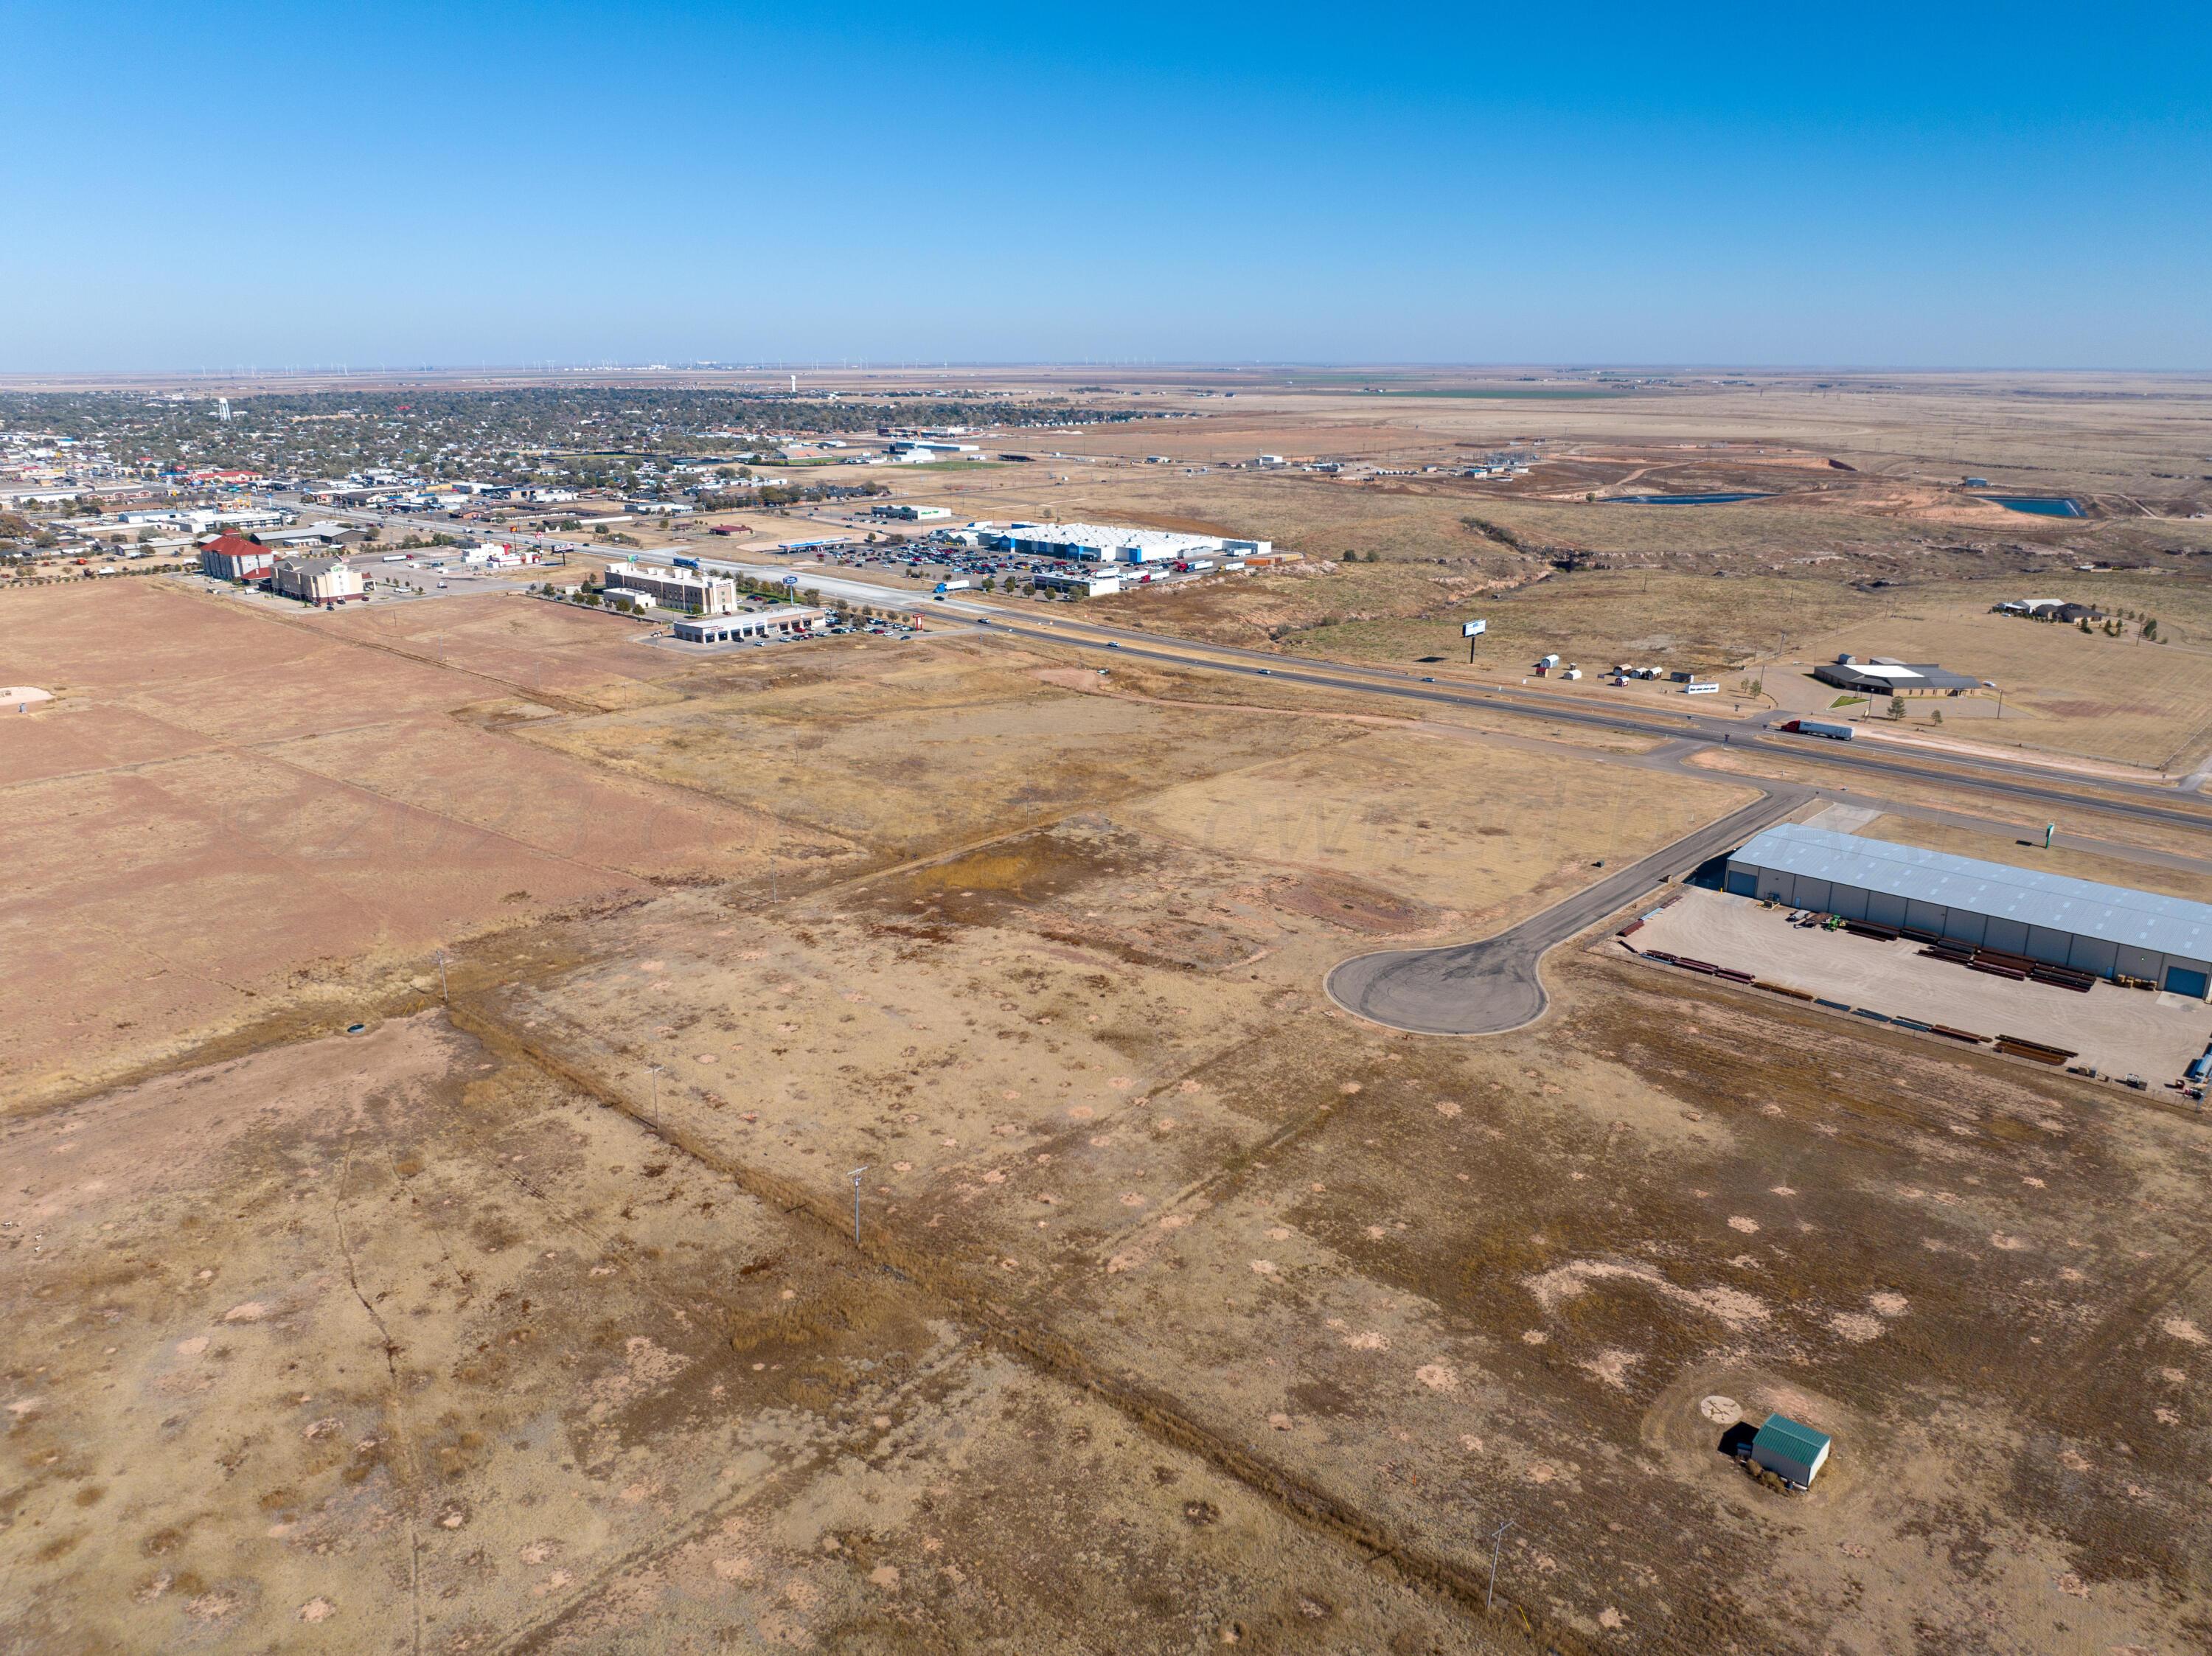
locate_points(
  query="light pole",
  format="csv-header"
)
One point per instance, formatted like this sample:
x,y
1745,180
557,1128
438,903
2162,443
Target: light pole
x,y
855,1175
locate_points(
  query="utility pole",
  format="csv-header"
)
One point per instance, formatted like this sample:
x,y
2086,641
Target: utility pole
x,y
1497,1541
442,994
856,1174
655,1118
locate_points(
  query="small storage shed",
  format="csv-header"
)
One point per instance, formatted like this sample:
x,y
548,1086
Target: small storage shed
x,y
1790,1449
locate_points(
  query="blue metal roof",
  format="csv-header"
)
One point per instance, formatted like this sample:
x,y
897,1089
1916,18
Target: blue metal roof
x,y
2142,919
1793,1438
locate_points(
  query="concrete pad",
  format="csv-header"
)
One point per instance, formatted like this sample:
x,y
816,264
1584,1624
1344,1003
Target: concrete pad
x,y
1840,818
2120,1031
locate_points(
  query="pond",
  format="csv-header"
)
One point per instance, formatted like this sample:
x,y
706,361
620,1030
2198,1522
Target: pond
x,y
2043,505
1683,499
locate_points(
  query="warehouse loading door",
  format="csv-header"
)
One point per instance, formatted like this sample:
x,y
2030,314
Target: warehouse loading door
x,y
1743,882
2181,981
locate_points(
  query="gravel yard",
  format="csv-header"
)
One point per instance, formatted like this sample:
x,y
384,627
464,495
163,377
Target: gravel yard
x,y
2154,1035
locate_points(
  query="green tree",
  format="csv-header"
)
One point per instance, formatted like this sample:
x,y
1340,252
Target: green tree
x,y
1897,706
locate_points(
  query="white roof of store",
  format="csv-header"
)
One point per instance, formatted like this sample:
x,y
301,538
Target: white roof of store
x,y
2144,920
1109,535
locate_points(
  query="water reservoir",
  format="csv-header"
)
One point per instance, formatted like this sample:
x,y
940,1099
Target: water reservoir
x,y
1683,499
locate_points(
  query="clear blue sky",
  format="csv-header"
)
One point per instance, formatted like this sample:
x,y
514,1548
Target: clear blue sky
x,y
222,185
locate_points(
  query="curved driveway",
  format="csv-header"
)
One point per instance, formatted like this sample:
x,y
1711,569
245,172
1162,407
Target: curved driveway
x,y
1487,987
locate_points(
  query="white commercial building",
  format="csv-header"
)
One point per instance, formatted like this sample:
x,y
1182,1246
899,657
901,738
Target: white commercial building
x,y
1107,543
786,621
911,513
674,589
495,554
1077,580
326,581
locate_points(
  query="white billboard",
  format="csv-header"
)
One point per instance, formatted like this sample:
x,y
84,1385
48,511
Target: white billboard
x,y
1473,628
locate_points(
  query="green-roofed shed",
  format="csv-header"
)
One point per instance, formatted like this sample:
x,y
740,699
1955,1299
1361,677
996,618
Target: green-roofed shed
x,y
1790,1449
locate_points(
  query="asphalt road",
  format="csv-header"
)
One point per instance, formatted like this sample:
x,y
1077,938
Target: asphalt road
x,y
1487,987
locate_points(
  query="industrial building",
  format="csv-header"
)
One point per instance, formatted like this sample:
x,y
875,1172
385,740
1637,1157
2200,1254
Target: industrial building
x,y
784,622
911,513
2105,930
675,589
1105,543
1884,676
315,534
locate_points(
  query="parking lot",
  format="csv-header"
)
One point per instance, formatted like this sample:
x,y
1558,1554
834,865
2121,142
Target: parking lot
x,y
932,556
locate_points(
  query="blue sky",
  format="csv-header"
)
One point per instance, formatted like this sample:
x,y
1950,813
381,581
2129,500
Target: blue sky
x,y
225,185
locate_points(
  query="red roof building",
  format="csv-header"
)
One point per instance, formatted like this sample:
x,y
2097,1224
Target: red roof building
x,y
234,557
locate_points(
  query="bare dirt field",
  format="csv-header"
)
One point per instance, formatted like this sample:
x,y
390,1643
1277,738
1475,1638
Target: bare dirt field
x,y
200,825
531,644
2118,1031
1181,1310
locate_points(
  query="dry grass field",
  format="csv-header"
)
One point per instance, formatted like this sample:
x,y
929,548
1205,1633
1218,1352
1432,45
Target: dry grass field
x,y
457,1359
2146,704
2027,851
1464,825
939,746
1865,514
1182,1310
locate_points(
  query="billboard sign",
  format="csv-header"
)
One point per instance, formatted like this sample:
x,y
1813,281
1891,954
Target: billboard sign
x,y
1473,628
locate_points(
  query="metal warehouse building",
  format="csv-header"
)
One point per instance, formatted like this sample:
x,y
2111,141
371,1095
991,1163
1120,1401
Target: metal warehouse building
x,y
2107,930
1106,543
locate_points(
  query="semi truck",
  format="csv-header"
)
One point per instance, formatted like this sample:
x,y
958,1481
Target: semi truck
x,y
1834,732
945,587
